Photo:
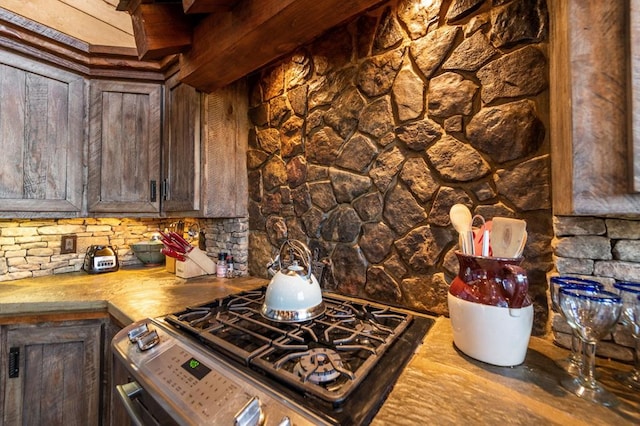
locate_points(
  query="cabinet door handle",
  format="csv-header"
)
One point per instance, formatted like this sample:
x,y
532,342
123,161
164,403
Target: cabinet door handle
x,y
165,189
153,190
14,362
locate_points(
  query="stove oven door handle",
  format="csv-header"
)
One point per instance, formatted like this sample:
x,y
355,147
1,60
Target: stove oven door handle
x,y
127,393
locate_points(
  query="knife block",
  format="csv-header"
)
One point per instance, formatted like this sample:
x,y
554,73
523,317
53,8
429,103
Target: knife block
x,y
201,259
170,264
188,269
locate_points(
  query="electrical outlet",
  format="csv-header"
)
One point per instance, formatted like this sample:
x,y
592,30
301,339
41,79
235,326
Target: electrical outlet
x,y
68,244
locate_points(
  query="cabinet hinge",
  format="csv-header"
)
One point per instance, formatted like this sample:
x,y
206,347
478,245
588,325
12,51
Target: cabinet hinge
x,y
14,362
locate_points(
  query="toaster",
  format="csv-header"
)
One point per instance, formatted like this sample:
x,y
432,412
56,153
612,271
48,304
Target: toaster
x,y
99,259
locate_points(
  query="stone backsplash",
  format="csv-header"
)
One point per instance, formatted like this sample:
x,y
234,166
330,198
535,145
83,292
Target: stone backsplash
x,y
31,248
363,140
605,250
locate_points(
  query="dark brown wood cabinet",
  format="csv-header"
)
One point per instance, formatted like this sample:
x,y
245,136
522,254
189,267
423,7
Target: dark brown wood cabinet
x,y
95,134
144,149
204,151
113,410
224,159
118,415
41,138
124,147
181,149
59,373
594,121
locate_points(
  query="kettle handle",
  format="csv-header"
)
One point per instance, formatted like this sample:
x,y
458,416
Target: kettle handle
x,y
299,249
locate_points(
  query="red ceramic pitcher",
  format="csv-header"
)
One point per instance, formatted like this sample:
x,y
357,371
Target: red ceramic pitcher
x,y
491,281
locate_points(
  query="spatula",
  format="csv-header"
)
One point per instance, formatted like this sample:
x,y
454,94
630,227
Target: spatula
x,y
507,236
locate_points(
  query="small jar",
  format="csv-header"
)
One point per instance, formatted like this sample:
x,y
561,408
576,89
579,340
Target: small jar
x,y
230,266
221,266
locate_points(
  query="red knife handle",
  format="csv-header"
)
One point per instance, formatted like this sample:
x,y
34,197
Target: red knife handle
x,y
173,253
180,240
172,244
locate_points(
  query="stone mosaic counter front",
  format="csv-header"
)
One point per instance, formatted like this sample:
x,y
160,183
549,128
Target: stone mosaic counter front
x,y
439,386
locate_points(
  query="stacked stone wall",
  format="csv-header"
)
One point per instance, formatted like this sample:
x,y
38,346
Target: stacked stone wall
x,y
31,248
229,236
602,249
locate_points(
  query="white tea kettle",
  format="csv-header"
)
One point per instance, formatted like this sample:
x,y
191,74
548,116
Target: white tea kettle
x,y
294,294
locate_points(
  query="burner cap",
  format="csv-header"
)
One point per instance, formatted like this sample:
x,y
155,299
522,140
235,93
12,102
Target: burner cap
x,y
365,331
319,365
365,328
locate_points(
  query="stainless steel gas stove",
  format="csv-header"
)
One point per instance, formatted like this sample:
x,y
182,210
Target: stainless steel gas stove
x,y
224,363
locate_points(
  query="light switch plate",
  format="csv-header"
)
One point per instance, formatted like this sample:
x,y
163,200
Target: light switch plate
x,y
68,244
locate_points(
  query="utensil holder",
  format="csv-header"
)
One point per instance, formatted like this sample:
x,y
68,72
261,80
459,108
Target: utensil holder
x,y
491,334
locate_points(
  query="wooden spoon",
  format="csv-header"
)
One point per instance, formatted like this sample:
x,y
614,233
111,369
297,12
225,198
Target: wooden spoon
x,y
461,220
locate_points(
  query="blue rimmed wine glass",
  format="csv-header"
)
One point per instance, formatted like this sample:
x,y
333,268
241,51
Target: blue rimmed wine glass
x,y
630,318
592,314
572,363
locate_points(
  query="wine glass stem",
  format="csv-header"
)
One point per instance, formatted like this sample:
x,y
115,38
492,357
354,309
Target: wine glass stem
x,y
576,348
636,356
589,365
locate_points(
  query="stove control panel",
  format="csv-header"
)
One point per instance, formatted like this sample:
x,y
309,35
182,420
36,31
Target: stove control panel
x,y
198,388
207,392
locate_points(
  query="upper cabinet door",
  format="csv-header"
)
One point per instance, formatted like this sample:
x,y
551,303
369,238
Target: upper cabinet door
x,y
124,148
225,142
41,138
181,149
594,84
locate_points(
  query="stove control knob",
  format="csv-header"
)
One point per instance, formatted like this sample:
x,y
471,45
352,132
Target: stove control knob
x,y
135,333
251,414
148,340
286,421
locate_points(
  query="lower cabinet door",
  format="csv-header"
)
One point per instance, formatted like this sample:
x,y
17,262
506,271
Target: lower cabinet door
x,y
57,381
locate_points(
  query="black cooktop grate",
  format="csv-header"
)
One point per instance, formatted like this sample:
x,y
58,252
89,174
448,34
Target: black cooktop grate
x,y
327,356
341,364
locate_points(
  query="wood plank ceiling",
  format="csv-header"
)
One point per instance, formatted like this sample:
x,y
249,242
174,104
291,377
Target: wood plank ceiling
x,y
96,22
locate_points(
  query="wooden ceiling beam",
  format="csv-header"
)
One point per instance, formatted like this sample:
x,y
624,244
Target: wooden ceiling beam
x,y
227,46
207,6
160,29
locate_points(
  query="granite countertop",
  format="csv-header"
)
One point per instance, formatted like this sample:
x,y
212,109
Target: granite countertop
x,y
130,294
440,385
445,387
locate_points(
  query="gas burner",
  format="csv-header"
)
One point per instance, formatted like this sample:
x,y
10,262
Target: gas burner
x,y
365,328
365,331
320,365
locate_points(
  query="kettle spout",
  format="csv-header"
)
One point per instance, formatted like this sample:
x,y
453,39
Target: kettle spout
x,y
272,265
